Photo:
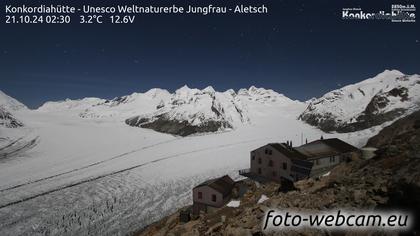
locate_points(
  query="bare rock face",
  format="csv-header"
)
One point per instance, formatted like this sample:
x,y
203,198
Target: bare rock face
x,y
164,124
385,97
8,120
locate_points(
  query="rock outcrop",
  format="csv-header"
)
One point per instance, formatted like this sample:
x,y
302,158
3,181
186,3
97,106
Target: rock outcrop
x,y
8,120
8,107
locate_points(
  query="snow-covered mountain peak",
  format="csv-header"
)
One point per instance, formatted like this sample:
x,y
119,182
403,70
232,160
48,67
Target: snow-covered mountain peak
x,y
70,105
191,110
156,92
386,74
263,95
10,103
186,91
252,88
209,90
230,92
384,97
256,91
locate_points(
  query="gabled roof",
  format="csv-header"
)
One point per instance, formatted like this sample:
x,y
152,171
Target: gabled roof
x,y
223,185
290,152
339,145
325,147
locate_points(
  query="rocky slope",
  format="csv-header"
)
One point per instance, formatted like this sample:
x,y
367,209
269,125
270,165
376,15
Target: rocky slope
x,y
8,120
8,105
391,180
372,102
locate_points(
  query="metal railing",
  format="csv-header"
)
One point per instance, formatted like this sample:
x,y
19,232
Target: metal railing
x,y
244,171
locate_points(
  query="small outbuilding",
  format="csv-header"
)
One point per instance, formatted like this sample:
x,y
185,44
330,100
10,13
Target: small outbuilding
x,y
212,193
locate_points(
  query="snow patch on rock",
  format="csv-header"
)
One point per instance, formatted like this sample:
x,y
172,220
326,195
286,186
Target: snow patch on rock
x,y
234,203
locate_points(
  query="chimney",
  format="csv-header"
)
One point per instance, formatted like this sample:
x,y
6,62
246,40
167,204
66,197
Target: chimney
x,y
291,144
322,137
306,141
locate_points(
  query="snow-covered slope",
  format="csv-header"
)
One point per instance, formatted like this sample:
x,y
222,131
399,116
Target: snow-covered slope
x,y
385,97
190,111
124,107
68,105
10,104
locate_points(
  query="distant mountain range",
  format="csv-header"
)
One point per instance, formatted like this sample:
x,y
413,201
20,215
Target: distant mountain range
x,y
385,97
184,112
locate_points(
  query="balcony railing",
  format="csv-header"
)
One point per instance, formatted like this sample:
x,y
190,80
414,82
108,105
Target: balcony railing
x,y
244,171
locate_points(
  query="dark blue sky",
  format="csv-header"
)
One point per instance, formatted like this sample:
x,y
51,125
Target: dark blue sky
x,y
301,48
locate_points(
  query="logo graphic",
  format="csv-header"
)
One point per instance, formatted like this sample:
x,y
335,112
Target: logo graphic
x,y
399,13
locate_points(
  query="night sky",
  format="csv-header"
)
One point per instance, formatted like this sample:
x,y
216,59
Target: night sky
x,y
301,49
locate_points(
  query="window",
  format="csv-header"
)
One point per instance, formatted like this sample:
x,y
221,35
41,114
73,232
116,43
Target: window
x,y
200,195
253,155
213,197
332,159
268,151
259,160
259,170
274,174
284,166
270,163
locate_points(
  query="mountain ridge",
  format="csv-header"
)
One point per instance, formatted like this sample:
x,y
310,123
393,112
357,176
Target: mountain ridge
x,y
385,97
374,101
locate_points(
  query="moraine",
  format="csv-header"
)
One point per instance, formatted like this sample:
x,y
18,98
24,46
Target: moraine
x,y
205,10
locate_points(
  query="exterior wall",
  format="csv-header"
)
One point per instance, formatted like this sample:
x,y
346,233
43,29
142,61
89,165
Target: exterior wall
x,y
267,171
301,169
198,207
207,196
319,167
356,155
322,165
